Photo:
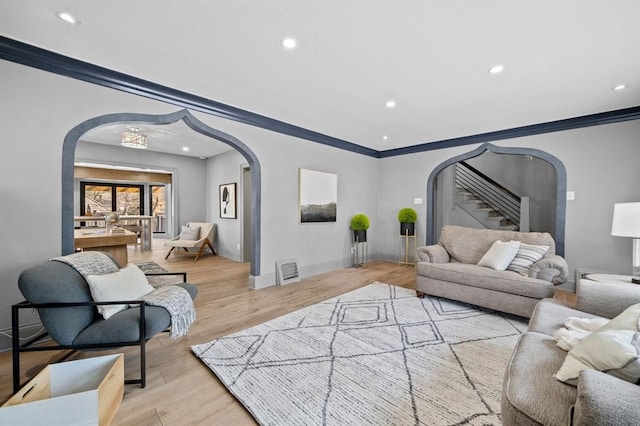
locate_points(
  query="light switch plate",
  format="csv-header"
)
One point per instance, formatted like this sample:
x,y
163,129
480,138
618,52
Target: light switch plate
x,y
571,195
417,201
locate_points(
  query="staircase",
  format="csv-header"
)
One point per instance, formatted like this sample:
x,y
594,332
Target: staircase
x,y
491,204
481,211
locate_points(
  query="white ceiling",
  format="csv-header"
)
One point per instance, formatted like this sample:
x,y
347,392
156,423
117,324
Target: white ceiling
x,y
561,58
169,138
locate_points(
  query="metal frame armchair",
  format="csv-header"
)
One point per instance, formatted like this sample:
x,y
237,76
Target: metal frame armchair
x,y
68,314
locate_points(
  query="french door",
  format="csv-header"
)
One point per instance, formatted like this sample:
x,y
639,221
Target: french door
x,y
158,208
99,198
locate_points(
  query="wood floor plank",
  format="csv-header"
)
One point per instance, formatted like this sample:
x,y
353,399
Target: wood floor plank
x,y
181,389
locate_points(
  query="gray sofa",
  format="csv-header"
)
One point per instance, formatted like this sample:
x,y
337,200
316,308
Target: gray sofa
x,y
532,396
449,269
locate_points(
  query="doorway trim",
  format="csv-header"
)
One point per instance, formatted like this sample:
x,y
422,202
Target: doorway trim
x,y
561,189
74,135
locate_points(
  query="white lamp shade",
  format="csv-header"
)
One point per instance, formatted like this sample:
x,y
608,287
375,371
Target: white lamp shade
x,y
626,220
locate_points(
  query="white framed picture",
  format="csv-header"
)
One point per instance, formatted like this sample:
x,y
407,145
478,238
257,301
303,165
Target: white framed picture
x,y
228,208
318,196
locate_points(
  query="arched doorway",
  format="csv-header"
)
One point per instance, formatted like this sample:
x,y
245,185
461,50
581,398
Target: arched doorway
x,y
74,135
560,188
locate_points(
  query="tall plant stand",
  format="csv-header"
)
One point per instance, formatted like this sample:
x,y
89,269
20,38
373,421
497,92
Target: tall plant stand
x,y
406,240
359,253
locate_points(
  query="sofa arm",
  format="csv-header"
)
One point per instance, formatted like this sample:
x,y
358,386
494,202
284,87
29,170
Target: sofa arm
x,y
605,400
605,299
552,268
432,254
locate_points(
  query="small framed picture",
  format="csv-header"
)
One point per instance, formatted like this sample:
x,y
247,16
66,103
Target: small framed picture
x,y
228,201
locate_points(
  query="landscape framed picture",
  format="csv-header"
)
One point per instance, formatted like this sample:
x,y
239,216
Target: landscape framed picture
x,y
228,208
318,196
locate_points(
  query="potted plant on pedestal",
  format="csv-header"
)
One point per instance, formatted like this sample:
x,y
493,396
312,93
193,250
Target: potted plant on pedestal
x,y
360,224
407,218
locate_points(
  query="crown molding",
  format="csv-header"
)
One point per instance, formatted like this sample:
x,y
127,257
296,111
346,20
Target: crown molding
x,y
598,119
35,57
32,56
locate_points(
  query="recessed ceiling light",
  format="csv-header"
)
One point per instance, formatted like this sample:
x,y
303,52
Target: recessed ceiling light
x,y
289,43
620,87
385,137
391,104
67,17
496,69
185,148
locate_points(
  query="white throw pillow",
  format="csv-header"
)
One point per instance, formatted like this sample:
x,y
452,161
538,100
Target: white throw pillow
x,y
613,349
627,320
190,234
614,352
129,283
500,255
527,255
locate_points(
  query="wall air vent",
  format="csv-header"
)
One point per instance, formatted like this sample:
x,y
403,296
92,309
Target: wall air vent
x,y
287,271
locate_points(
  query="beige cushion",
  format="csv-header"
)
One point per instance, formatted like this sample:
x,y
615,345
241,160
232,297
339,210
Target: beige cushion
x,y
190,233
480,277
500,255
129,283
528,254
468,245
614,349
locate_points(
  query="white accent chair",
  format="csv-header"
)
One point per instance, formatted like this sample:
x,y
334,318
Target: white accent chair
x,y
203,240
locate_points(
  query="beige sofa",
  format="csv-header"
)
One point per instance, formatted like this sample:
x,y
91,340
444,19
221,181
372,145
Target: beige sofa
x,y
532,396
449,269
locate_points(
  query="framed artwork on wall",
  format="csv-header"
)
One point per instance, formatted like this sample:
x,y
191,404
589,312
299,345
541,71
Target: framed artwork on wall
x,y
318,196
228,208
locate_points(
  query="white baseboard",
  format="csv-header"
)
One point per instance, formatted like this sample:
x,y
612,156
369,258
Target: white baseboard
x,y
262,281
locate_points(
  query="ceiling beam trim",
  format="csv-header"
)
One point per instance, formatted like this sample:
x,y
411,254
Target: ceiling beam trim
x,y
32,56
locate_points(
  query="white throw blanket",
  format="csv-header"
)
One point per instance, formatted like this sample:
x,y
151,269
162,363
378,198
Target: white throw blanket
x,y
576,329
176,300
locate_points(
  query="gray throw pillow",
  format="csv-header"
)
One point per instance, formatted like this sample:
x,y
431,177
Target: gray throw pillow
x,y
527,255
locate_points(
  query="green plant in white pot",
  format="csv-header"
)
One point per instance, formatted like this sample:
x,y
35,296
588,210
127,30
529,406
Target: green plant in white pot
x,y
407,218
360,224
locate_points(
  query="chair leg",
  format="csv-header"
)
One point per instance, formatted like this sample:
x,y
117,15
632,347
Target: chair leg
x,y
15,338
210,246
167,256
143,340
202,247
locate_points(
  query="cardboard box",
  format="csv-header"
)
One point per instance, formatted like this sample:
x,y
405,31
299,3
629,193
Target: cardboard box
x,y
84,392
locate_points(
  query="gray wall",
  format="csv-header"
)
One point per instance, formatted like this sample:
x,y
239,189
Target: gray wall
x,y
317,246
601,170
222,169
188,183
533,178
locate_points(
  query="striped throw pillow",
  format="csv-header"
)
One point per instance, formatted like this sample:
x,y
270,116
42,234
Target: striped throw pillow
x,y
527,256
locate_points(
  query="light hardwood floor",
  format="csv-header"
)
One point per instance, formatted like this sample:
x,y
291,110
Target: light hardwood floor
x,y
180,389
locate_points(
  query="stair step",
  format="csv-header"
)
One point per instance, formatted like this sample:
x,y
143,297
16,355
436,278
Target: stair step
x,y
495,218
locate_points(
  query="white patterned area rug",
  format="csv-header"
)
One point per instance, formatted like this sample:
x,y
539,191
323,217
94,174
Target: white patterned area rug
x,y
377,355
